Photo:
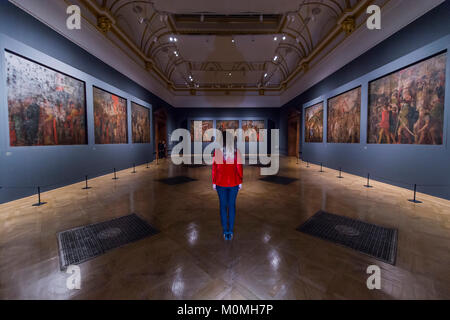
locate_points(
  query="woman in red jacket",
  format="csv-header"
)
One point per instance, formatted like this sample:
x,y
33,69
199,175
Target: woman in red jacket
x,y
227,175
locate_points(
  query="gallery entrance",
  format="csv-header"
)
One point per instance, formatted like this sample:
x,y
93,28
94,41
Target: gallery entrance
x,y
294,133
161,143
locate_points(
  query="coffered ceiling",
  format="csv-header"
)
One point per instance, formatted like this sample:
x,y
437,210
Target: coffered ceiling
x,y
227,46
223,53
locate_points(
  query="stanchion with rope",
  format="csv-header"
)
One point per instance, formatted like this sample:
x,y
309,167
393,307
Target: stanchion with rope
x,y
39,203
86,187
368,182
134,168
115,175
340,174
414,200
321,167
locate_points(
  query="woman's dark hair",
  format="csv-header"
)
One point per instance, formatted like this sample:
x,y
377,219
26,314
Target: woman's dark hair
x,y
225,138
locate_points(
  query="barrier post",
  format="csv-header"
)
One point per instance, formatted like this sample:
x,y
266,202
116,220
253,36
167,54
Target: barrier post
x,y
86,187
134,168
147,164
340,174
307,164
115,176
321,167
415,199
368,181
39,199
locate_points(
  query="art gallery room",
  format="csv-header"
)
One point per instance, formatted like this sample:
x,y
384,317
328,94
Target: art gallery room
x,y
224,150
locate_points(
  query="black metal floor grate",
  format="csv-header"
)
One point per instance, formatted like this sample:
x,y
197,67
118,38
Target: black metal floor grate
x,y
278,180
177,180
370,239
83,243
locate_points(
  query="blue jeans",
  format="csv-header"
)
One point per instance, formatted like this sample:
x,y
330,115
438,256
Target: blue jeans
x,y
227,199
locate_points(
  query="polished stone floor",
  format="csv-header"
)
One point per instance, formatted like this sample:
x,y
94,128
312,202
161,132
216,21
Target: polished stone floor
x,y
268,258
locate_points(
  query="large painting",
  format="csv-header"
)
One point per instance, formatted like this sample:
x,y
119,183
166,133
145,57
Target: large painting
x,y
344,116
110,118
251,129
198,135
140,123
407,107
314,123
45,107
223,125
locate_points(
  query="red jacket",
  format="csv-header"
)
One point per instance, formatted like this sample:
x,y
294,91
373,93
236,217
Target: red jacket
x,y
224,174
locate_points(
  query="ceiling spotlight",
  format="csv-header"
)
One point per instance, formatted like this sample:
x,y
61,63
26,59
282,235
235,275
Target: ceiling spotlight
x,y
141,20
175,53
284,38
232,40
229,74
265,75
171,39
275,38
275,58
175,39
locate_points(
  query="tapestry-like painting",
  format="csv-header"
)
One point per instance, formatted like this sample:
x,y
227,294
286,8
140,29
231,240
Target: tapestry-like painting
x,y
314,123
251,129
45,107
344,117
407,106
223,125
199,134
140,123
110,118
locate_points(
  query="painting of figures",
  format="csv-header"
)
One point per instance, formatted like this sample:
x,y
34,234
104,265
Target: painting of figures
x,y
140,123
407,107
110,118
45,107
344,116
251,129
223,125
199,134
314,123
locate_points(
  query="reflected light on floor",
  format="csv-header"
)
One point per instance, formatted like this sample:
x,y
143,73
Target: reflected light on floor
x,y
178,283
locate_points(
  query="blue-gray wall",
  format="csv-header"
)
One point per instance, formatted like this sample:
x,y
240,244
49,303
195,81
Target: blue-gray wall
x,y
402,165
62,165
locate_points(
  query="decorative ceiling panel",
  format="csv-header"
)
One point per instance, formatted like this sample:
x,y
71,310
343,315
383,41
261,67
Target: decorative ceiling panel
x,y
204,46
